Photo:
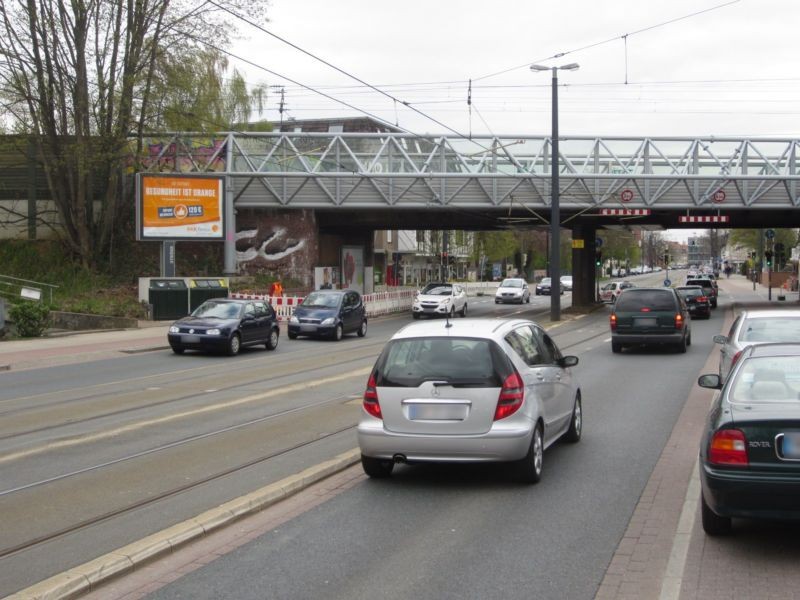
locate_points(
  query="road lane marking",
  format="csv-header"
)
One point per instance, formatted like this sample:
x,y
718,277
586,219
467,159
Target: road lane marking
x,y
75,441
673,578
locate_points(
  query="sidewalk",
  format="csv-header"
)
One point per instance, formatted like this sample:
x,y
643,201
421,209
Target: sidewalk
x,y
62,349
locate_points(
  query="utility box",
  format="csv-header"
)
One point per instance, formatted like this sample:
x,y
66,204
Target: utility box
x,y
169,299
201,290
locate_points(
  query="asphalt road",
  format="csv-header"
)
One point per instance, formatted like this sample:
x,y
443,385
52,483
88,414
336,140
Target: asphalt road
x,y
96,438
467,531
152,439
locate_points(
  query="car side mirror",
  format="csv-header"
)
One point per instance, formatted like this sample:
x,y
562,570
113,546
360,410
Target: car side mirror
x,y
568,361
711,381
720,339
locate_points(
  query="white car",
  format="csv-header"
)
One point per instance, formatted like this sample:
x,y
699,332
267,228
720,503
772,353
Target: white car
x,y
480,390
440,299
611,291
566,282
512,290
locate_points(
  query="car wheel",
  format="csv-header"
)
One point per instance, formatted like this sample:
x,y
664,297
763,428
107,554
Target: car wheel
x,y
234,345
272,341
464,311
573,434
713,524
682,345
292,335
338,332
529,469
415,315
528,299
178,349
616,347
376,468
362,331
496,301
689,339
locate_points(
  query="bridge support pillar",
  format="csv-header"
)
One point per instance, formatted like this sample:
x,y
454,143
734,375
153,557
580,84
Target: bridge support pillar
x,y
583,267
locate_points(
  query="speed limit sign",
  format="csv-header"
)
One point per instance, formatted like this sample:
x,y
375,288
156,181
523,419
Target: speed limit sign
x,y
626,195
719,196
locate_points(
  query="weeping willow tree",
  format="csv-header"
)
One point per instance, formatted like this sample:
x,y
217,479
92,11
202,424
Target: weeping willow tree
x,y
80,76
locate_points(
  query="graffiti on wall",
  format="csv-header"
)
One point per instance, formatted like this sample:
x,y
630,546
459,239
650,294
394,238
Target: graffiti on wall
x,y
282,243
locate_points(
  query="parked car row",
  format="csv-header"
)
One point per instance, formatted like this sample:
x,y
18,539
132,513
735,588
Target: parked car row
x,y
227,324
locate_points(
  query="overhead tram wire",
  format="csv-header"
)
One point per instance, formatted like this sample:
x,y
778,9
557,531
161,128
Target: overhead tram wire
x,y
340,70
607,41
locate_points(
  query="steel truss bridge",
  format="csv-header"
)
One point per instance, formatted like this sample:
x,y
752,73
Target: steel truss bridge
x,y
701,175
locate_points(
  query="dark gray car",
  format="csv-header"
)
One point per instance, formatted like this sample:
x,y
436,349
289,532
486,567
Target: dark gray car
x,y
650,316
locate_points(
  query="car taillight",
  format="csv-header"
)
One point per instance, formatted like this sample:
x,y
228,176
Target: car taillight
x,y
511,395
678,321
735,358
644,309
371,404
728,447
613,321
702,299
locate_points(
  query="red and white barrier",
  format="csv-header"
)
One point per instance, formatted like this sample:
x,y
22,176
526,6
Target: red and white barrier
x,y
380,303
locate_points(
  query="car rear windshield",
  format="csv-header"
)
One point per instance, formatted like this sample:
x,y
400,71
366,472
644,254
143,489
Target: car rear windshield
x,y
635,300
706,283
767,379
770,329
462,362
690,292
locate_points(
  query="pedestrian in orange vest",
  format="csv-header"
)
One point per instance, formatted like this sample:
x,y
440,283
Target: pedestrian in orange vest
x,y
276,289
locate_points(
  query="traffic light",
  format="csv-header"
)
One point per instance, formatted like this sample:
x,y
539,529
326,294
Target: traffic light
x,y
768,256
753,255
666,258
598,258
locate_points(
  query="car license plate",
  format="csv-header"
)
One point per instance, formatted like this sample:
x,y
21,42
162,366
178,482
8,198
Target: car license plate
x,y
308,327
437,412
791,446
645,322
191,339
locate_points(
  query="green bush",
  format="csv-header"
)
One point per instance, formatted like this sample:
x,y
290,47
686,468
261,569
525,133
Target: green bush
x,y
30,318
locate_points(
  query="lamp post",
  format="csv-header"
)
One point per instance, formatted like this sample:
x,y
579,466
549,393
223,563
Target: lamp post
x,y
555,215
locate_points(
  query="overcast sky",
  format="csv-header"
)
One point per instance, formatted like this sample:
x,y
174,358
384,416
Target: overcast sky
x,y
731,70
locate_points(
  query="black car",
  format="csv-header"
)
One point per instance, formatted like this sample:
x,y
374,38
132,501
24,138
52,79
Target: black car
x,y
709,287
698,303
225,325
329,313
750,451
650,316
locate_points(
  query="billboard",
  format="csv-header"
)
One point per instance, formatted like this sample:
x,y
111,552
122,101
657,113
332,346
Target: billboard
x,y
180,207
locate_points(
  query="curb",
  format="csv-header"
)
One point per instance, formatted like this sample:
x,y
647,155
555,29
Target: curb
x,y
86,577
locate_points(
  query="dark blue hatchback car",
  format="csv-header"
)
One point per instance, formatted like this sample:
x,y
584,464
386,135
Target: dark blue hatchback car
x,y
225,325
329,313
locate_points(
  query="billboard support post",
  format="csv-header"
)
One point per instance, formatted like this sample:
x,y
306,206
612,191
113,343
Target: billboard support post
x,y
167,259
229,249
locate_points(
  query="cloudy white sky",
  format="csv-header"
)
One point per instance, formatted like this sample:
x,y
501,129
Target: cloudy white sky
x,y
731,70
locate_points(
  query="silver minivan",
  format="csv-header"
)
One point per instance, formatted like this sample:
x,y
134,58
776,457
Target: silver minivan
x,y
473,390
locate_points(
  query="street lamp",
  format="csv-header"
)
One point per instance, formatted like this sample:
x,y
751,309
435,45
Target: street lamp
x,y
555,216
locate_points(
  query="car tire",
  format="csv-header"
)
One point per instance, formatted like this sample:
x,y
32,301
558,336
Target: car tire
x,y
573,434
292,335
338,332
376,468
713,524
496,301
272,340
689,339
415,316
178,349
616,347
234,345
362,330
682,346
528,299
529,469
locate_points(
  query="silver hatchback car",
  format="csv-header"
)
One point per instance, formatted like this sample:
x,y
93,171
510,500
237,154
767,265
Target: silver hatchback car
x,y
471,390
754,327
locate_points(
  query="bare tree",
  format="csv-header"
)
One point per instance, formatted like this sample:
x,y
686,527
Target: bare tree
x,y
78,76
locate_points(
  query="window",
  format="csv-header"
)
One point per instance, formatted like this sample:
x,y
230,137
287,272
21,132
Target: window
x,y
249,310
524,344
261,309
552,352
